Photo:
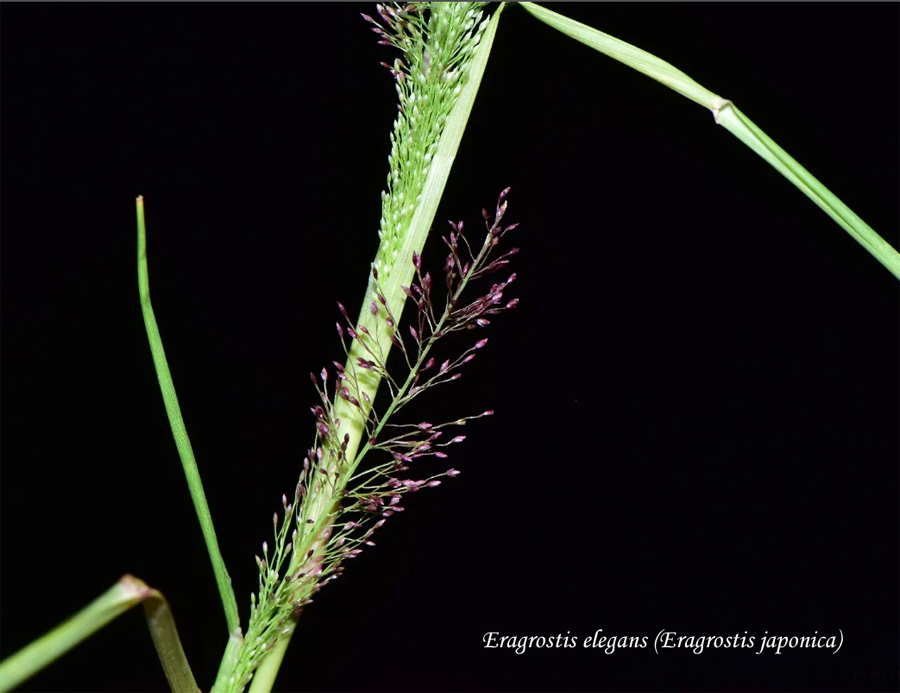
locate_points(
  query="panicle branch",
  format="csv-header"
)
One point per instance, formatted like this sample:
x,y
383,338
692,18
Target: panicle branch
x,y
310,551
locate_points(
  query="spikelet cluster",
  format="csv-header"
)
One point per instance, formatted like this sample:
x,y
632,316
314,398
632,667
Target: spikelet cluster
x,y
438,41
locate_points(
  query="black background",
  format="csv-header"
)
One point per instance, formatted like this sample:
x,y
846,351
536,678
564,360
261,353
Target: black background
x,y
697,410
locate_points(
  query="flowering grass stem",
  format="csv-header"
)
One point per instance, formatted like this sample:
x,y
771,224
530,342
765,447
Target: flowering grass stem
x,y
339,502
427,185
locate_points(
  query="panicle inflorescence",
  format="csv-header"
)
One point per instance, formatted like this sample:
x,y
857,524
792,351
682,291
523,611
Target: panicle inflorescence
x,y
359,501
336,506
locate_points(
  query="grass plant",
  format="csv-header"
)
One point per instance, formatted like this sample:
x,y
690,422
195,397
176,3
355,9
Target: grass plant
x,y
342,494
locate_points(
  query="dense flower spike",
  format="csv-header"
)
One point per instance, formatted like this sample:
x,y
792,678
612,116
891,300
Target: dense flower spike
x,y
438,40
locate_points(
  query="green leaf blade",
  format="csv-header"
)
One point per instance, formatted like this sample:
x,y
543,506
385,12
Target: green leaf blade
x,y
727,115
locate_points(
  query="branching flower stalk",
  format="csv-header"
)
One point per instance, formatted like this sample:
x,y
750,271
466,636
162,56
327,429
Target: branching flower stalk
x,y
337,505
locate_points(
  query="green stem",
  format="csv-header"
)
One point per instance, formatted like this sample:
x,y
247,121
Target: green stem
x,y
126,593
225,676
168,645
264,678
182,442
727,115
